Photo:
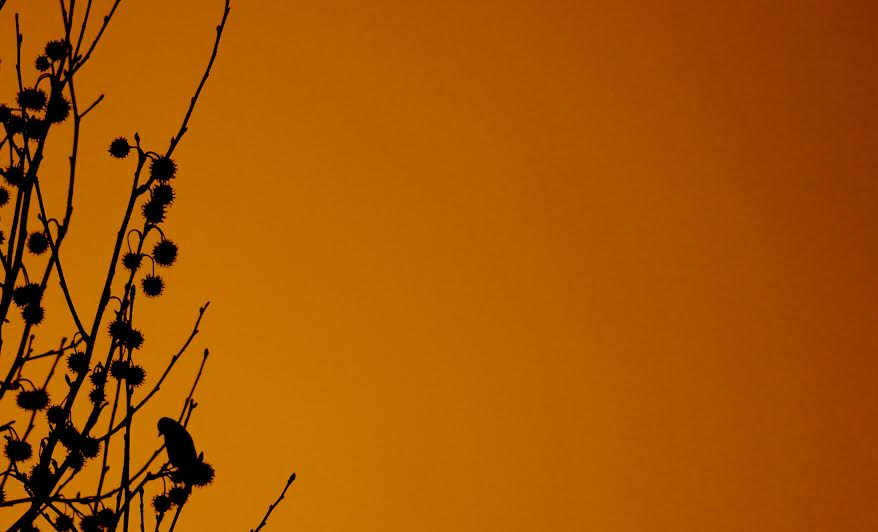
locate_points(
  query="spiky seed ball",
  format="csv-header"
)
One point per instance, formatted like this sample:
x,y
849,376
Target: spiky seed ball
x,y
15,125
135,376
27,294
42,63
132,261
162,168
119,329
56,50
89,523
200,474
163,193
5,112
39,480
75,460
164,252
119,148
33,314
17,450
33,400
134,339
178,495
4,196
57,110
161,503
77,362
64,523
153,212
118,369
37,243
55,415
98,377
13,175
69,437
106,518
37,129
153,285
32,99
90,447
97,396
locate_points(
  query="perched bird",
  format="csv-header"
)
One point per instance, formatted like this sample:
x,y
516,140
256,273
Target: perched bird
x,y
178,443
192,470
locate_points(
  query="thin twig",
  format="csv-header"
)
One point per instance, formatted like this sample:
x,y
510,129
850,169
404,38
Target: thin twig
x,y
272,506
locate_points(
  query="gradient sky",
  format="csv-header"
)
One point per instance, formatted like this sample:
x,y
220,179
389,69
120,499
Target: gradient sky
x,y
507,266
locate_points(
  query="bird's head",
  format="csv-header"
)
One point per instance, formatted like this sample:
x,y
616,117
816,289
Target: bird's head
x,y
168,426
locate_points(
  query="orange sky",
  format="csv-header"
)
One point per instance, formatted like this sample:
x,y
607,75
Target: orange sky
x,y
507,266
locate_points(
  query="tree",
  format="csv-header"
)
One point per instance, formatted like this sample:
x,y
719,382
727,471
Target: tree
x,y
97,373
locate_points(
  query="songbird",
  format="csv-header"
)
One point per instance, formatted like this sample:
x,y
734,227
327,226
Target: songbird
x,y
192,470
178,443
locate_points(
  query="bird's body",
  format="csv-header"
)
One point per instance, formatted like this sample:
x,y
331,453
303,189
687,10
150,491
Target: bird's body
x,y
178,443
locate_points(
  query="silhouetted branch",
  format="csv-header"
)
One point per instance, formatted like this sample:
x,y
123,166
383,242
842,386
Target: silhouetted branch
x,y
272,506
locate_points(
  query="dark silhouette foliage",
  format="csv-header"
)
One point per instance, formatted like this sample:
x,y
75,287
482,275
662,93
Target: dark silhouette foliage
x,y
59,420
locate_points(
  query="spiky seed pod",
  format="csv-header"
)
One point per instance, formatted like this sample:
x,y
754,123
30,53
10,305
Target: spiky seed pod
x,y
97,396
77,362
27,294
37,129
37,243
164,252
153,285
106,518
56,50
90,447
15,124
200,474
42,63
57,110
13,175
119,329
4,196
89,523
162,168
69,437
119,148
135,376
161,503
33,314
98,377
131,261
17,450
5,112
178,495
134,339
118,369
75,460
163,193
55,415
32,99
64,523
153,212
39,481
33,400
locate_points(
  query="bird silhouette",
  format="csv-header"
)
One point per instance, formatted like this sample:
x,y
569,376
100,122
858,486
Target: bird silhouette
x,y
178,443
